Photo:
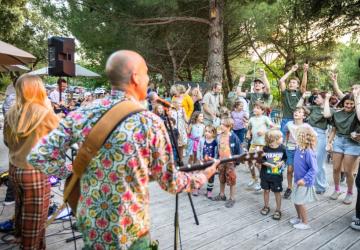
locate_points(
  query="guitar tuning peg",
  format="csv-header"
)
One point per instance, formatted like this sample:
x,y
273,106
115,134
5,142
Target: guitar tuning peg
x,y
246,162
247,156
253,161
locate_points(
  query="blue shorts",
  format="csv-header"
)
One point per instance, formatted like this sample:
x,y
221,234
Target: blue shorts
x,y
290,154
346,146
284,121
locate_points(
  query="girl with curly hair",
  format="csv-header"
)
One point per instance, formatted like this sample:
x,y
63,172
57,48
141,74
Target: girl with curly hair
x,y
305,168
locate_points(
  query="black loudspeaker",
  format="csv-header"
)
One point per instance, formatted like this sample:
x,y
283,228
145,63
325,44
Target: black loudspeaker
x,y
61,52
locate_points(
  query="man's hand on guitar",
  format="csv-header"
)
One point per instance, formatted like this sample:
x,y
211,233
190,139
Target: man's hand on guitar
x,y
210,171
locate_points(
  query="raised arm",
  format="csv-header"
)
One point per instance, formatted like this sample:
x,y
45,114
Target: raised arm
x,y
327,112
239,87
302,99
282,80
356,93
266,81
335,84
304,79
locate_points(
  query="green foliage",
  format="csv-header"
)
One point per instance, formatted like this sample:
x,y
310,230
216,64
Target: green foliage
x,y
348,64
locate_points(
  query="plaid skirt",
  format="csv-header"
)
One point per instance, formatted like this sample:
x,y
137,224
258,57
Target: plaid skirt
x,y
32,192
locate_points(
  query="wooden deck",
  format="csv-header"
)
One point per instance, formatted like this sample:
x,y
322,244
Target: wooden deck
x,y
240,227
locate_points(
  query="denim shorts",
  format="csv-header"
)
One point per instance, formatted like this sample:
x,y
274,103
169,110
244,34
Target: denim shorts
x,y
346,146
290,154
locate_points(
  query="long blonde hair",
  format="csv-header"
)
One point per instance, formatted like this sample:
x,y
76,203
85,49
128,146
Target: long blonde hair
x,y
30,90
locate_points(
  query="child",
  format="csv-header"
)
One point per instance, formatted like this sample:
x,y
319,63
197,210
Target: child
x,y
240,118
208,147
179,115
175,131
271,170
258,125
292,94
304,175
195,131
159,110
291,129
229,145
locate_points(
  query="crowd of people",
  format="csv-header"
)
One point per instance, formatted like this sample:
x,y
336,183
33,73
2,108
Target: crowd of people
x,y
114,200
314,124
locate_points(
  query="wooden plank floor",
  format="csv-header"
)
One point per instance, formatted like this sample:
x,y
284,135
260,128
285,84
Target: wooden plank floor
x,y
240,227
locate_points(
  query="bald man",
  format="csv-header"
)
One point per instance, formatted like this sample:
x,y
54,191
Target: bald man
x,y
113,210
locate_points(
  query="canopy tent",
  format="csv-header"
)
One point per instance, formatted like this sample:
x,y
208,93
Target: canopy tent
x,y
13,68
79,71
10,55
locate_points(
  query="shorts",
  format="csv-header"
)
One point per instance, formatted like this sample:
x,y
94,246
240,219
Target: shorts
x,y
290,154
346,146
227,174
254,147
272,184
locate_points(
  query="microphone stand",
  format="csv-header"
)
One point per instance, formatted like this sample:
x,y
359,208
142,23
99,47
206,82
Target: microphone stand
x,y
179,163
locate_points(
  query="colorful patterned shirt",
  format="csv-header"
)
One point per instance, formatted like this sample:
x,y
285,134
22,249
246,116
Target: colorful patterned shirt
x,y
113,209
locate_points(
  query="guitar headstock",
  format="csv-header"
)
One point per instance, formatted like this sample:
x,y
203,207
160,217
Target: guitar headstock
x,y
251,158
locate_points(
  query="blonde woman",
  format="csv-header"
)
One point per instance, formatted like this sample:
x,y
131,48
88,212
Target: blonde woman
x,y
31,118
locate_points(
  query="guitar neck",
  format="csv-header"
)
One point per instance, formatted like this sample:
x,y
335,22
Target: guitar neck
x,y
245,157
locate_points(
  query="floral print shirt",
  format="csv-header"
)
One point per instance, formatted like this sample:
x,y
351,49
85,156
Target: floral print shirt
x,y
113,209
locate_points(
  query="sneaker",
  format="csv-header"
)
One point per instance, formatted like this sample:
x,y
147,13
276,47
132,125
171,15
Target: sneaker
x,y
257,187
8,203
335,195
287,193
251,183
209,195
294,221
354,218
7,226
301,226
320,192
230,203
348,199
355,225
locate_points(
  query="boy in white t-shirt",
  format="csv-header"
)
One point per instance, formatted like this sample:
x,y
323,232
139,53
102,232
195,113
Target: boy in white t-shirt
x,y
290,130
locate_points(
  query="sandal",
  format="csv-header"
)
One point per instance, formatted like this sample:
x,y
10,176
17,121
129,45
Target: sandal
x,y
265,211
219,197
277,215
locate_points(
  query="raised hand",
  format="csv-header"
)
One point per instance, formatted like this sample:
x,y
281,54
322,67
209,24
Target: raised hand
x,y
356,91
242,79
262,72
333,76
328,95
295,67
306,94
306,67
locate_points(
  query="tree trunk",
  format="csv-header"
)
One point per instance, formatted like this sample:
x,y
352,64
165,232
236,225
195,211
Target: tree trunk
x,y
216,46
173,61
188,70
226,60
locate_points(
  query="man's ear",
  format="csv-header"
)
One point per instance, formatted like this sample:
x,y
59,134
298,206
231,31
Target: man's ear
x,y
134,79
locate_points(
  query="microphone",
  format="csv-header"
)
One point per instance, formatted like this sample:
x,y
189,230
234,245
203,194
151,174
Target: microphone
x,y
164,103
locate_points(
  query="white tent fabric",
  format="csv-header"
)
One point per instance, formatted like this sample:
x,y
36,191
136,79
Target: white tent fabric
x,y
15,68
79,71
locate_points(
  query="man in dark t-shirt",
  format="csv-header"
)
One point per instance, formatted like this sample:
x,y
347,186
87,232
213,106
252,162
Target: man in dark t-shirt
x,y
260,92
292,94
